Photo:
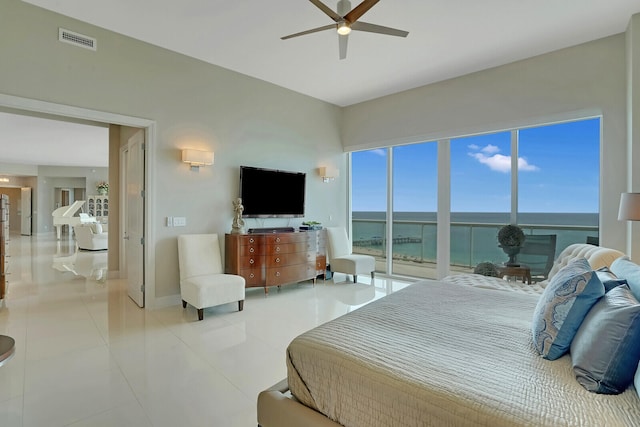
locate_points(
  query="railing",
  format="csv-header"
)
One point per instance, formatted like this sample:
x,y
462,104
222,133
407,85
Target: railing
x,y
471,243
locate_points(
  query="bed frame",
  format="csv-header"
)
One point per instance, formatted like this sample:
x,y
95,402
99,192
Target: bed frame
x,y
278,408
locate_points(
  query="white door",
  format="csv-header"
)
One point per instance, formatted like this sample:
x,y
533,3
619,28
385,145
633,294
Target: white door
x,y
25,211
132,253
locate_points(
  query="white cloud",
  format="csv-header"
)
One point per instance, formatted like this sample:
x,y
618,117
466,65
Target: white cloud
x,y
380,152
490,149
498,162
523,165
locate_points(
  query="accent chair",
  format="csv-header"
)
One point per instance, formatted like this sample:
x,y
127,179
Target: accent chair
x,y
341,258
203,282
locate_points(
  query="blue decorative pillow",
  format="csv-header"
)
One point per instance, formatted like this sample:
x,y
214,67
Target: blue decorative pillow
x,y
606,349
624,268
562,307
608,279
636,380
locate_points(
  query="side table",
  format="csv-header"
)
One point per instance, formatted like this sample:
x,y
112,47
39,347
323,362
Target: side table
x,y
515,271
7,349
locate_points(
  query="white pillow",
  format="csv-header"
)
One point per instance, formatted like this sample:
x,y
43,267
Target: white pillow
x,y
96,227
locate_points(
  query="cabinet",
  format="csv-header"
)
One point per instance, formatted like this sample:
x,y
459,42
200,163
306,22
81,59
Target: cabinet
x,y
4,241
274,259
98,207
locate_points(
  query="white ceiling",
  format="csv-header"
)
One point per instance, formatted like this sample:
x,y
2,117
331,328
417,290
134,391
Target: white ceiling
x,y
446,39
40,141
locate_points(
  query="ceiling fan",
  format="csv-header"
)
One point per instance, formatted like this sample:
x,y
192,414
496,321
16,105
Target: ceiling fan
x,y
346,19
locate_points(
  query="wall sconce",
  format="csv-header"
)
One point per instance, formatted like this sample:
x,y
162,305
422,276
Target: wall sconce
x,y
197,158
328,173
629,207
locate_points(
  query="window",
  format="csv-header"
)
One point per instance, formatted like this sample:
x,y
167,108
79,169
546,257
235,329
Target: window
x,y
369,201
415,195
541,194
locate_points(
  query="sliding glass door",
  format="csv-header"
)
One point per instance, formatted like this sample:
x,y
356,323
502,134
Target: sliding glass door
x,y
415,191
523,176
369,204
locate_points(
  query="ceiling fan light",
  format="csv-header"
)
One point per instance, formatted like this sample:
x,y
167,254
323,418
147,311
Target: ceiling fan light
x,y
344,29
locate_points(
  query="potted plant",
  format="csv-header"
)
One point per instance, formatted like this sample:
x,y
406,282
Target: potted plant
x,y
511,238
102,187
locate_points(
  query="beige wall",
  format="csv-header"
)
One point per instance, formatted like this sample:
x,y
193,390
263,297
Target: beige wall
x,y
580,81
245,121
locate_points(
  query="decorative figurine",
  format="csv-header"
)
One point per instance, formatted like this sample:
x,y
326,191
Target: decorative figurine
x,y
238,223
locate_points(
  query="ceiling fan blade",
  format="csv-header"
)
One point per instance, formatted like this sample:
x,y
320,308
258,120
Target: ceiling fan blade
x,y
373,28
342,44
323,7
313,30
359,10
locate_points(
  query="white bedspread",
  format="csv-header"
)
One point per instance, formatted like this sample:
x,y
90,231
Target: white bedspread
x,y
444,354
479,281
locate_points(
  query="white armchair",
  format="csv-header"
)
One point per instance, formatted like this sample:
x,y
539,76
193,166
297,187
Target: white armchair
x,y
342,260
91,237
202,279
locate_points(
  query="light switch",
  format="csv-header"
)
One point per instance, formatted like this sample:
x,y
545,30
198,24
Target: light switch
x,y
169,221
179,221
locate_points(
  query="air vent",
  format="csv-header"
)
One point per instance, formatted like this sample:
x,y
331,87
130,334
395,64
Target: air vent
x,y
77,39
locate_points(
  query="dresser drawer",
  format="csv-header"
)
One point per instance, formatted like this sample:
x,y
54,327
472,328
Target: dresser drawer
x,y
252,276
251,261
250,239
287,248
272,239
281,260
292,273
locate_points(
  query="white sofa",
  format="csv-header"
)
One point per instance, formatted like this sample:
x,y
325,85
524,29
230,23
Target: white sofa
x,y
91,237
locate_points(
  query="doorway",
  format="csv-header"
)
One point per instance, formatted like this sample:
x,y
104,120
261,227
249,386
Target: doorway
x,y
31,106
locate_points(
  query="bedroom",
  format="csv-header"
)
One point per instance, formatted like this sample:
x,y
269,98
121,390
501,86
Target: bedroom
x,y
237,111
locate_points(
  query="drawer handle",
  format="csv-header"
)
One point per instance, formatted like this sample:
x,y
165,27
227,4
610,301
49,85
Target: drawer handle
x,y
252,250
277,259
277,240
251,276
277,274
277,248
251,261
251,240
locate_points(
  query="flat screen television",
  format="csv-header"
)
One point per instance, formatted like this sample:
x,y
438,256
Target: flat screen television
x,y
270,193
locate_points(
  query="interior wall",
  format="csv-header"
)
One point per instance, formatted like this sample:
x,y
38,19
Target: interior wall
x,y
580,81
245,121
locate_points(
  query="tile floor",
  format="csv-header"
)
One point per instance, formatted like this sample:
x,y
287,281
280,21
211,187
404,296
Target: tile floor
x,y
88,356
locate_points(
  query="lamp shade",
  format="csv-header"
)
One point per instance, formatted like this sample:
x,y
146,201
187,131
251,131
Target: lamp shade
x,y
197,157
629,207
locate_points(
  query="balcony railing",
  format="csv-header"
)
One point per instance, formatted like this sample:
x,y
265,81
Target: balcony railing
x,y
471,243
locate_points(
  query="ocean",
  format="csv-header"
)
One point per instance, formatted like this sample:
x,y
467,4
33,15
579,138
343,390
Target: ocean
x,y
473,234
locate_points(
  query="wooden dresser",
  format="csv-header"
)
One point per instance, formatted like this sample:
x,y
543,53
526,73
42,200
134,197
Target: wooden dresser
x,y
274,259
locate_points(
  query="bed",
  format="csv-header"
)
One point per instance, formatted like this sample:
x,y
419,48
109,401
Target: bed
x,y
437,353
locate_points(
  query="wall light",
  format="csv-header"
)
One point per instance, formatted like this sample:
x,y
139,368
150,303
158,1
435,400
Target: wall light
x,y
328,173
197,158
629,207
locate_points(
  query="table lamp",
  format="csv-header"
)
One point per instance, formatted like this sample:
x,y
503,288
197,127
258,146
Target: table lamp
x,y
629,207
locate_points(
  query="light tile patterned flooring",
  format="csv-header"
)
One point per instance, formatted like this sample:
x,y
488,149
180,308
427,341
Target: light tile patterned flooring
x,y
88,356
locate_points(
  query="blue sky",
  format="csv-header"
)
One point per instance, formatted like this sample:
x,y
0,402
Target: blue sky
x,y
550,158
